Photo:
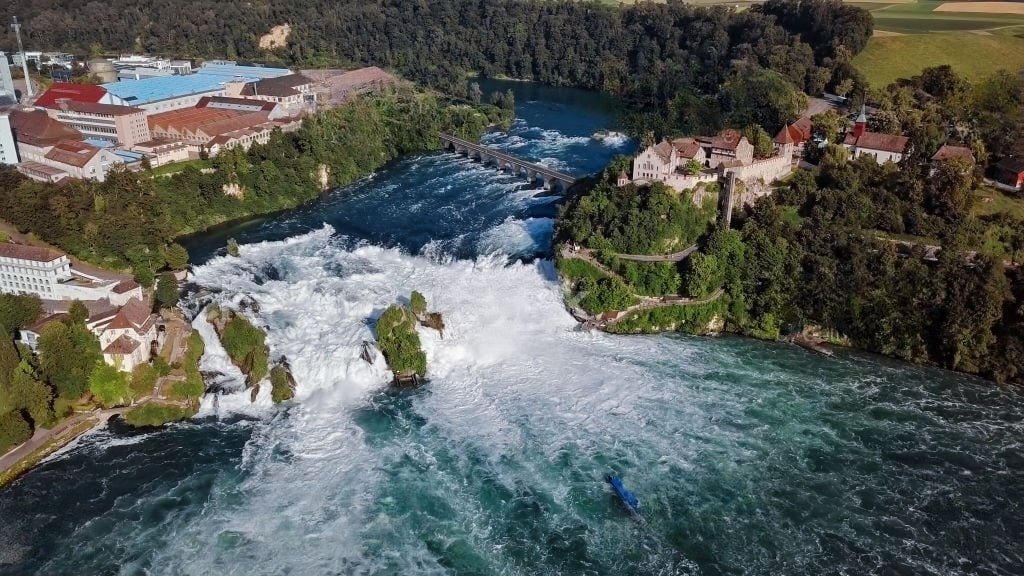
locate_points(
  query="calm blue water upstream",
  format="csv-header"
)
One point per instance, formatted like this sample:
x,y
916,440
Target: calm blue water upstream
x,y
748,457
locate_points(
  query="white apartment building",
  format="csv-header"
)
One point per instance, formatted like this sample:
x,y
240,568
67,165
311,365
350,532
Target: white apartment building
x,y
32,270
48,274
8,148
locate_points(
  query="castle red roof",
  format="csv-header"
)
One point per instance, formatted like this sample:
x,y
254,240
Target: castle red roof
x,y
687,147
75,92
877,141
727,139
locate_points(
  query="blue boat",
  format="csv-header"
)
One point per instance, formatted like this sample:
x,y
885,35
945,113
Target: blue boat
x,y
627,497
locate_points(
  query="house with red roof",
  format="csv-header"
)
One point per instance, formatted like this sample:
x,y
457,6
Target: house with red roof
x,y
129,337
882,147
947,153
85,93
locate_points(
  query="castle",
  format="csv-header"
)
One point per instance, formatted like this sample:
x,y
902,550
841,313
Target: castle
x,y
684,163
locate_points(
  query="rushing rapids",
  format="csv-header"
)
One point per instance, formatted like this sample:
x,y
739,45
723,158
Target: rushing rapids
x,y
751,457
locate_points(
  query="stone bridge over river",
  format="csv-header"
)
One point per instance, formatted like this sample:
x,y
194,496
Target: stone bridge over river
x,y
553,179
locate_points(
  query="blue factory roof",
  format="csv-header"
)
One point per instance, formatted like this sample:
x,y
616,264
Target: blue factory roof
x,y
234,70
146,90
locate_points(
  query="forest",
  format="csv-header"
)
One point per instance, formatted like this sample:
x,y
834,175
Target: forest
x,y
648,53
828,250
131,219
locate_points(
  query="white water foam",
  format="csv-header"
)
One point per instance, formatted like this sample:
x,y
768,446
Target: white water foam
x,y
508,344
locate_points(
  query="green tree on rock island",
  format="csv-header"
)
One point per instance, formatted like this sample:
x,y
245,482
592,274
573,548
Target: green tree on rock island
x,y
399,342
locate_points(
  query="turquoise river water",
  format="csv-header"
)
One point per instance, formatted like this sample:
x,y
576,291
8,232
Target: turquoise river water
x,y
748,457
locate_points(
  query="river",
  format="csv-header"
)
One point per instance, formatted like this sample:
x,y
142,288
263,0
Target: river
x,y
748,457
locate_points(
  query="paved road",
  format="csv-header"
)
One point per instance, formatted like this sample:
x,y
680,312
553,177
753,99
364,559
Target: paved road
x,y
44,435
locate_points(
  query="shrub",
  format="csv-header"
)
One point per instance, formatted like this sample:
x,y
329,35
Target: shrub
x,y
399,342
108,384
606,294
143,380
418,303
167,290
575,269
245,344
281,384
14,430
156,415
693,319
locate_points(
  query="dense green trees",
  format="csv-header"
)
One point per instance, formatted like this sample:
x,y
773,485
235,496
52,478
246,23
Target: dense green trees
x,y
167,290
109,385
646,52
649,219
177,257
13,430
18,311
67,356
245,343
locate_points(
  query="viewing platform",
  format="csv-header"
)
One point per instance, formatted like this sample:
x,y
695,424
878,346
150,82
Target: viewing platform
x,y
553,179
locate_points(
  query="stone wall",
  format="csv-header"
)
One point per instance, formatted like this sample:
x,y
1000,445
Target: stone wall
x,y
767,170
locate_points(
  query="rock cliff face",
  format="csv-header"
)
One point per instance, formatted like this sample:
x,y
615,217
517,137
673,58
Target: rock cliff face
x,y
324,177
282,381
244,343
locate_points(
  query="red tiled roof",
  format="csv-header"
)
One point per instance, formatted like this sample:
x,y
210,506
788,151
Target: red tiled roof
x,y
42,322
947,152
727,139
795,133
664,151
75,92
133,315
94,108
687,147
35,127
805,125
125,286
33,253
72,153
876,141
122,345
785,136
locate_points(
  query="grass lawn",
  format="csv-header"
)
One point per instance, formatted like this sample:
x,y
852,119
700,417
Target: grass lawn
x,y
168,169
973,56
988,201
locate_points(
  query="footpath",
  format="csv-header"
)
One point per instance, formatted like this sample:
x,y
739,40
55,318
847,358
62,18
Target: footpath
x,y
46,441
645,302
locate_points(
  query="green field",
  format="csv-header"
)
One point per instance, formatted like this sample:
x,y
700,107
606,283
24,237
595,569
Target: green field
x,y
972,55
911,36
920,18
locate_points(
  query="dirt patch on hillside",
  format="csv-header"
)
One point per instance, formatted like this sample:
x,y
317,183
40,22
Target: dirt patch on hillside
x,y
885,33
983,7
276,38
